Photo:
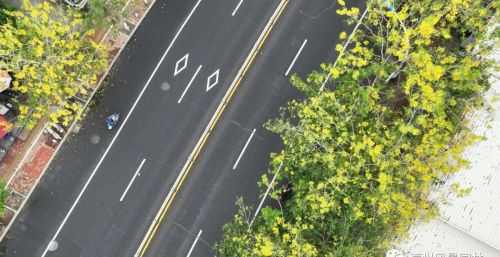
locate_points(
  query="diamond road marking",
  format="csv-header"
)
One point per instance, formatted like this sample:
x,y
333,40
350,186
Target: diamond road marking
x,y
181,64
210,82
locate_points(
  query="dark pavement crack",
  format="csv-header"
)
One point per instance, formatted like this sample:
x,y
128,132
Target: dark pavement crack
x,y
251,21
248,130
118,229
182,227
240,126
205,243
262,139
320,13
191,234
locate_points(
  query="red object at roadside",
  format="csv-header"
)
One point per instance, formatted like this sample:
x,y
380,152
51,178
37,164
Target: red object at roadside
x,y
5,127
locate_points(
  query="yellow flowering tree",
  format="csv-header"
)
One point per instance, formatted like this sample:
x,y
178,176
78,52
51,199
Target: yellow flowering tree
x,y
363,158
45,50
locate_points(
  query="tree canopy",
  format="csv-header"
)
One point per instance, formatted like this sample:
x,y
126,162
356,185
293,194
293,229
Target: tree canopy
x,y
100,14
363,155
45,50
4,6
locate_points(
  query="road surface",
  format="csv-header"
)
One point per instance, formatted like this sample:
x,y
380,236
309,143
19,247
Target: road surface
x,y
206,200
104,188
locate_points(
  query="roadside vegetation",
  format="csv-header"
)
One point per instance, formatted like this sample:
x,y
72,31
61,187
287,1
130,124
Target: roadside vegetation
x,y
56,55
5,6
363,155
99,14
47,51
3,196
51,60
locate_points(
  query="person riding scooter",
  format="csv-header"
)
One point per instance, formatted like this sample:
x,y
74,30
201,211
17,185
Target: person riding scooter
x,y
112,120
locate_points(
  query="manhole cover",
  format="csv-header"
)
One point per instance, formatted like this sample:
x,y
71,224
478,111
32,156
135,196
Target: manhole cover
x,y
165,86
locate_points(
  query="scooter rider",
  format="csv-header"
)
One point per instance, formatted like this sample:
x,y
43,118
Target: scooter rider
x,y
112,119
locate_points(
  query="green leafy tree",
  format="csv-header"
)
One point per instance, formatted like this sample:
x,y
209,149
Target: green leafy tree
x,y
99,14
7,7
47,53
3,196
363,158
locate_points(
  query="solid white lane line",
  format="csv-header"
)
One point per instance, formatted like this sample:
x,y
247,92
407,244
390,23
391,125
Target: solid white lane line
x,y
194,243
265,195
237,7
119,130
295,59
136,174
244,148
189,84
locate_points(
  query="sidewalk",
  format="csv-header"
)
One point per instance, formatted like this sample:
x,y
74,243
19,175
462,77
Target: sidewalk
x,y
26,161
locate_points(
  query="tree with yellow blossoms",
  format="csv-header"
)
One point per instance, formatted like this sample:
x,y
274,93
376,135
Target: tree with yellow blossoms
x,y
364,154
45,50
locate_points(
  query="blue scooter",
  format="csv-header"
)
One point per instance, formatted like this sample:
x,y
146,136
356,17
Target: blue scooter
x,y
112,120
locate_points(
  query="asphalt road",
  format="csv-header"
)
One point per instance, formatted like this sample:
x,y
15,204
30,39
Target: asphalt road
x,y
159,130
132,172
206,200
